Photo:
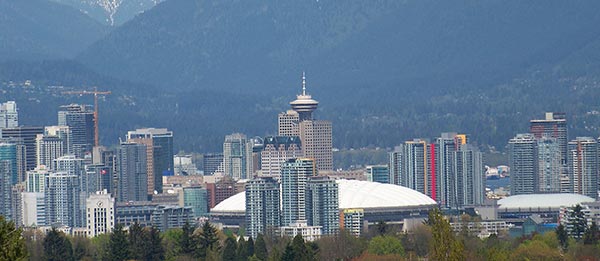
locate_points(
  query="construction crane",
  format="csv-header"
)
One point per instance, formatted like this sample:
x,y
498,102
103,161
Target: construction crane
x,y
95,92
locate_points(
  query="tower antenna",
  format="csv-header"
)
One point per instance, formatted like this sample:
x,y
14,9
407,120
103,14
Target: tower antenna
x,y
303,83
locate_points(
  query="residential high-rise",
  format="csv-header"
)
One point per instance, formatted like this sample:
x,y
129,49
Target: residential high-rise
x,y
9,115
62,200
442,168
583,166
100,209
8,176
523,155
294,176
237,156
554,125
549,165
315,135
469,178
80,120
159,145
219,191
62,132
211,163
396,166
352,220
24,136
262,206
278,149
415,170
132,177
47,149
378,173
322,204
36,179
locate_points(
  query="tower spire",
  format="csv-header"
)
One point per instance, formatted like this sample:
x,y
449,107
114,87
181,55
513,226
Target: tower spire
x,y
303,83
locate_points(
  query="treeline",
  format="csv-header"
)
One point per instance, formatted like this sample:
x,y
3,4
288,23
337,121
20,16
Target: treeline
x,y
434,240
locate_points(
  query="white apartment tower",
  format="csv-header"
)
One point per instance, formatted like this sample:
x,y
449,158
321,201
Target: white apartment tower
x,y
9,116
100,213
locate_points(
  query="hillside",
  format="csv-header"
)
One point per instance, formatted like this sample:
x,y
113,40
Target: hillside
x,y
38,29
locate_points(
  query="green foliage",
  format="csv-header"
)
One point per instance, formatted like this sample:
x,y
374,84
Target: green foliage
x,y
591,235
578,222
57,247
260,248
242,249
229,250
118,246
187,240
250,247
207,240
385,245
445,246
382,227
12,243
535,250
562,236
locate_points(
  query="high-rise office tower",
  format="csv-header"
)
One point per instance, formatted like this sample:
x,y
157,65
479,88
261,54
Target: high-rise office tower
x,y
100,209
62,200
469,178
8,176
132,177
315,135
549,165
322,204
211,163
99,178
159,145
80,120
276,150
554,125
62,132
9,115
262,206
378,173
583,166
47,149
294,176
523,155
237,156
24,137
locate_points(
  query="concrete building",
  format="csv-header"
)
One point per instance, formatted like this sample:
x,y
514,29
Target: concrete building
x,y
100,209
309,233
378,173
62,200
352,221
219,191
583,166
549,165
159,157
277,150
294,177
80,119
554,125
469,181
36,179
132,176
48,148
212,162
33,209
262,206
9,115
322,204
523,155
415,168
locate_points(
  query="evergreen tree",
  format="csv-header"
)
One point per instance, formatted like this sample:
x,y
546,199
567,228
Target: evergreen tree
x,y
207,241
229,250
242,251
11,241
186,242
260,248
382,227
562,236
289,254
578,222
590,237
300,251
155,249
250,247
137,242
57,247
445,246
118,247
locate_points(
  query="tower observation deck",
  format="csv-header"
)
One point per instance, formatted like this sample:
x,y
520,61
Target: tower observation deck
x,y
304,104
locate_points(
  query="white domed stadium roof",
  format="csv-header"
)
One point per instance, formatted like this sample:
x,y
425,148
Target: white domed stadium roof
x,y
543,201
352,194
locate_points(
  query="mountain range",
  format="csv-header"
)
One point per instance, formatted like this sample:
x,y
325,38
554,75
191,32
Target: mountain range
x,y
111,12
384,71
